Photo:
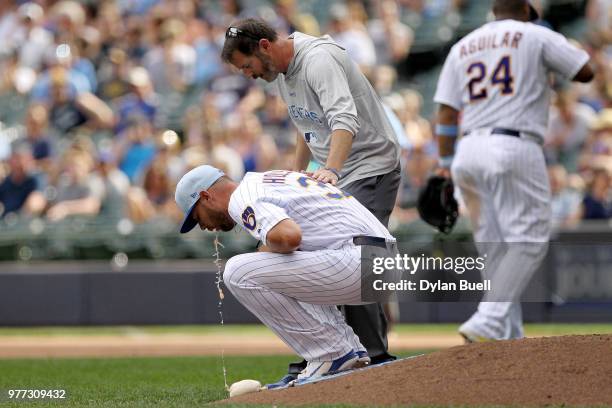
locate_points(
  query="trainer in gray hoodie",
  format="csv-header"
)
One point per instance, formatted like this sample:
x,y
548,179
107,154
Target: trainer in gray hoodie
x,y
339,115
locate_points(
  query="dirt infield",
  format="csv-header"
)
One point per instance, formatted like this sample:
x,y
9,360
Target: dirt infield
x,y
558,371
180,345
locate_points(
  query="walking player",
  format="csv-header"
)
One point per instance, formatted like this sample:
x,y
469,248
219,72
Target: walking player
x,y
498,78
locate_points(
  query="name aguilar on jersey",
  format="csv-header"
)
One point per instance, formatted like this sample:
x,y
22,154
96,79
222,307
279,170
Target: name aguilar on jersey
x,y
492,41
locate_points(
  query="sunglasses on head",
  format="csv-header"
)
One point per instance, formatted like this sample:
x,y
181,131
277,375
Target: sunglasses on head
x,y
234,32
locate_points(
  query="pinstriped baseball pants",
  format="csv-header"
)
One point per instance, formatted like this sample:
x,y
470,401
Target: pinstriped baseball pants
x,y
296,294
502,181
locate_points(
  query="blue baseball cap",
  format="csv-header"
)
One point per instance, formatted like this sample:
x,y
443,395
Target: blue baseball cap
x,y
188,191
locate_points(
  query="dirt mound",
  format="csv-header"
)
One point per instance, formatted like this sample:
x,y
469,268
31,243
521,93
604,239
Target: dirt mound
x,y
568,370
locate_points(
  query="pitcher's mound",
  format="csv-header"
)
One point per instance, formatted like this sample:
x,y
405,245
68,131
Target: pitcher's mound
x,y
568,370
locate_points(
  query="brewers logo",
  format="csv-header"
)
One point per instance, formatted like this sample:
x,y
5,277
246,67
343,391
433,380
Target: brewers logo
x,y
248,218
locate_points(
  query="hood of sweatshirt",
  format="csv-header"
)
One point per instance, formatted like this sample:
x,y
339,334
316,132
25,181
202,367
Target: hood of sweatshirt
x,y
302,45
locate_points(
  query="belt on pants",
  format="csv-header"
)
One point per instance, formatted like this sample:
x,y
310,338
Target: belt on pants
x,y
513,133
364,240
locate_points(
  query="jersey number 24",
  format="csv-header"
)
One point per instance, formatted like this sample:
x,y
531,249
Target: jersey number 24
x,y
502,76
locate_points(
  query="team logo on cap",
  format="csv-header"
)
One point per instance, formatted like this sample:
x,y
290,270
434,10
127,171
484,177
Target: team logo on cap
x,y
248,218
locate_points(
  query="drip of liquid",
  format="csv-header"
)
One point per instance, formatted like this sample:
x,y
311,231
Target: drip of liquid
x,y
218,282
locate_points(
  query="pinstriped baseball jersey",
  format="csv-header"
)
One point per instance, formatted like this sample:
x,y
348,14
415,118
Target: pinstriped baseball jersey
x,y
328,217
498,75
295,294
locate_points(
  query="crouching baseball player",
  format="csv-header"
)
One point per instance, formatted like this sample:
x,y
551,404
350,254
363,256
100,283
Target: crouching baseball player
x,y
310,260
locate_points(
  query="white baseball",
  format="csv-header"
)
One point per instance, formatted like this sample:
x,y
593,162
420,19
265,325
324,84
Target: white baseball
x,y
244,387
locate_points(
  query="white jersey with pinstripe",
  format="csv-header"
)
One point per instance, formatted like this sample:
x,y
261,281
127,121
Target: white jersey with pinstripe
x,y
498,76
295,294
263,199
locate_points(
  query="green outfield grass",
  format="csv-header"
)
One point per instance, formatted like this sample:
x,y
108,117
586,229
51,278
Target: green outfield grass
x,y
172,382
135,382
255,330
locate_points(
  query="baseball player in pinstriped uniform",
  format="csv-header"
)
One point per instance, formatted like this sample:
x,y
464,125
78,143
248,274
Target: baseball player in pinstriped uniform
x,y
342,125
498,77
306,265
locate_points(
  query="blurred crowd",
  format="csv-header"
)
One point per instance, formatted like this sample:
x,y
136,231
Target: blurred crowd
x,y
105,104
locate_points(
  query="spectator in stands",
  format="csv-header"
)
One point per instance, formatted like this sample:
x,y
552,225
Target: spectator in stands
x,y
110,24
276,123
392,39
68,18
67,93
134,39
597,202
154,196
291,19
207,142
116,186
136,147
568,129
598,149
384,78
141,100
416,126
257,149
113,76
419,165
230,10
82,65
357,14
599,16
171,63
70,108
566,199
79,191
38,137
598,94
137,7
208,64
394,106
34,38
9,25
355,40
159,190
20,191
15,84
430,8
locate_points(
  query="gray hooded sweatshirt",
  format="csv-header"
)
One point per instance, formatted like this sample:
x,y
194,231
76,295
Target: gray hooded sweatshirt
x,y
324,90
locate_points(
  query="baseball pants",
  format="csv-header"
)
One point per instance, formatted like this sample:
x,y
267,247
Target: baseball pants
x,y
502,181
296,294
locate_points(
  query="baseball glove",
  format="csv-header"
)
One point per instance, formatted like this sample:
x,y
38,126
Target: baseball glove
x,y
437,205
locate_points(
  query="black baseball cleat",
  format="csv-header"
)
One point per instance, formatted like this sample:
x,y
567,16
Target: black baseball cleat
x,y
383,358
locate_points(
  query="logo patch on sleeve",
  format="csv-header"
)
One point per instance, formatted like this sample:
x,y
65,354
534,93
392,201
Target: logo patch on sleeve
x,y
248,218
